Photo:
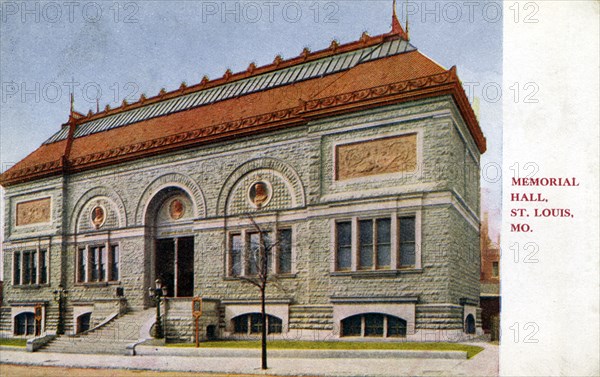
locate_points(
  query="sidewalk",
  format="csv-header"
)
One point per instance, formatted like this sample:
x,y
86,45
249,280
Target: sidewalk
x,y
483,364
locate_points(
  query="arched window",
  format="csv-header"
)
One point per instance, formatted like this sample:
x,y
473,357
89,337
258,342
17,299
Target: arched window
x,y
25,324
374,324
470,324
251,324
83,322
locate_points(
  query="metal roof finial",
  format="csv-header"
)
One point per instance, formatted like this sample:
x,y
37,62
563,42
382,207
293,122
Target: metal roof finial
x,y
396,27
72,110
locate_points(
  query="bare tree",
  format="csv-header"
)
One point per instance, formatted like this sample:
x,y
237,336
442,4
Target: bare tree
x,y
258,255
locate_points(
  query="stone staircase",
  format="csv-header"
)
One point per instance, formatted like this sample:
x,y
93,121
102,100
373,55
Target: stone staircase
x,y
5,318
112,337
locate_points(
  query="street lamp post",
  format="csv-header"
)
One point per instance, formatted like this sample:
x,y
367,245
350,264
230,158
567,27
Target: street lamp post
x,y
156,294
60,295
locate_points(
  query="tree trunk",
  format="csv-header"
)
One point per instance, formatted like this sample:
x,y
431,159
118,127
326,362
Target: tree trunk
x,y
264,328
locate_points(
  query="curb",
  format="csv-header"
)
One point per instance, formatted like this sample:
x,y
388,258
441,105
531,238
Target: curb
x,y
142,350
13,348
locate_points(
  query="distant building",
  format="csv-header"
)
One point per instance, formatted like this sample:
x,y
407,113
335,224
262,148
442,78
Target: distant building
x,y
490,277
361,160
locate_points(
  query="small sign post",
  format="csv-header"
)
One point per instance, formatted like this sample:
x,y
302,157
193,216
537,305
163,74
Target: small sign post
x,y
197,313
37,315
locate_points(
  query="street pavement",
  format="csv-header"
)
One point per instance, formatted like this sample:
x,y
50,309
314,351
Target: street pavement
x,y
483,364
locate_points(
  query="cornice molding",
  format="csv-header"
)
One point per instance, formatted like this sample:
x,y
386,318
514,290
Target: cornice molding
x,y
446,83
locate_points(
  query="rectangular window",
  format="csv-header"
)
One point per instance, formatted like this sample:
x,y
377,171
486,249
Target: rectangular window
x,y
114,258
373,325
102,259
407,241
33,267
82,265
384,243
396,327
258,243
94,264
246,252
344,245
285,251
43,267
379,246
17,268
30,267
375,244
267,243
26,267
252,256
236,255
365,231
495,269
255,323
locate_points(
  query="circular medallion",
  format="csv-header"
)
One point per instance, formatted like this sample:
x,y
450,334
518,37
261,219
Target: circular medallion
x,y
176,209
98,216
259,194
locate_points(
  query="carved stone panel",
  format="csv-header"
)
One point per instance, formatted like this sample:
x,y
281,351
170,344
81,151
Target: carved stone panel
x,y
374,157
33,212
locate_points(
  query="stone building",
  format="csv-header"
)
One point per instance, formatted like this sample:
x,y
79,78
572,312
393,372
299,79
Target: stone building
x,y
358,163
490,279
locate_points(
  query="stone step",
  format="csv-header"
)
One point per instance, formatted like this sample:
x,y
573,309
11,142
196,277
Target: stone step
x,y
97,341
119,351
96,349
112,338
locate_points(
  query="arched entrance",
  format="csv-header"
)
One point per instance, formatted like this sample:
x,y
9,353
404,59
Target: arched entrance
x,y
169,218
470,324
83,322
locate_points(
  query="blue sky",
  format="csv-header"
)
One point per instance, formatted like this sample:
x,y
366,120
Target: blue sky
x,y
125,48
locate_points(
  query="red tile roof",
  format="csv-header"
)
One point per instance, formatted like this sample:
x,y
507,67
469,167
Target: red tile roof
x,y
394,79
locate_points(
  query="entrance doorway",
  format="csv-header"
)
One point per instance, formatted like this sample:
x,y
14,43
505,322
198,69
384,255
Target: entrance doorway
x,y
174,261
470,324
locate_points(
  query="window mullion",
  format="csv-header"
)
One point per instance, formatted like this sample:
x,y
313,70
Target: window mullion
x,y
22,272
363,324
275,250
385,326
97,266
418,240
395,242
34,256
354,244
38,266
244,253
108,261
88,266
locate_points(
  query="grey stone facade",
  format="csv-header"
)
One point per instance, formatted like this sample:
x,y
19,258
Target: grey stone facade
x,y
434,296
